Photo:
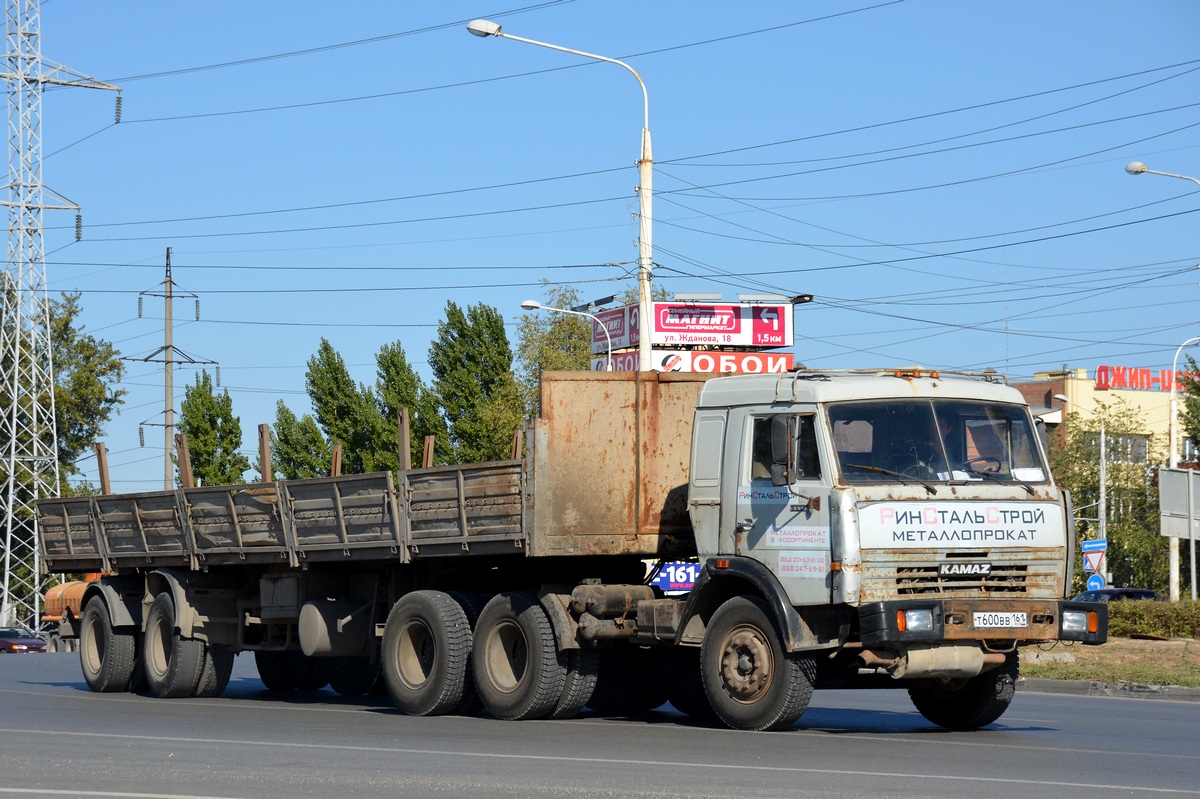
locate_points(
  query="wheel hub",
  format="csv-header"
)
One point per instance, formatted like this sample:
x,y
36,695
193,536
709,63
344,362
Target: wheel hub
x,y
746,665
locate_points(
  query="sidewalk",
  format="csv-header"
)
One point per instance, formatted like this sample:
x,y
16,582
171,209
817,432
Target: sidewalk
x,y
1126,690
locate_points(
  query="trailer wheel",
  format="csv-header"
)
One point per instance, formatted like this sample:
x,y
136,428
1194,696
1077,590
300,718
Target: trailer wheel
x,y
172,662
426,646
54,643
750,681
215,670
353,676
583,669
519,670
107,657
968,704
290,670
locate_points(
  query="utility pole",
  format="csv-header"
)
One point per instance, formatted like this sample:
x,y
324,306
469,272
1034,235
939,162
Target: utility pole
x,y
28,435
169,356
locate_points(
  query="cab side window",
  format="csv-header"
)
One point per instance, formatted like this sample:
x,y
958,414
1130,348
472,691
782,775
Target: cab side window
x,y
806,463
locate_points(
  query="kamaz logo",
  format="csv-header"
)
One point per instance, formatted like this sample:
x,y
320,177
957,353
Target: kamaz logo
x,y
964,569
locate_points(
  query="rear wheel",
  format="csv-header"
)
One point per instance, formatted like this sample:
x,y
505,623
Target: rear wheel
x,y
426,646
583,670
172,663
750,681
107,656
472,604
519,670
54,643
353,676
968,704
632,681
215,670
291,670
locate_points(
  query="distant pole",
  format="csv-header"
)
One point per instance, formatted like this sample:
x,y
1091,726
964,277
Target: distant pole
x,y
168,379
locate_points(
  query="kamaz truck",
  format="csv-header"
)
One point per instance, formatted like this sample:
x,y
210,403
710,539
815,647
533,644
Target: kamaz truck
x,y
881,528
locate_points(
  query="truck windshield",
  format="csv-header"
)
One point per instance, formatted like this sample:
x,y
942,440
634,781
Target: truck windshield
x,y
935,441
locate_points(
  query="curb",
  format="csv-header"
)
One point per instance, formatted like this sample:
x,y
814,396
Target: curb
x,y
1110,689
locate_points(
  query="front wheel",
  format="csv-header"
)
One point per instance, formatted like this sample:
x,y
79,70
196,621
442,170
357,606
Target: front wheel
x,y
750,681
971,703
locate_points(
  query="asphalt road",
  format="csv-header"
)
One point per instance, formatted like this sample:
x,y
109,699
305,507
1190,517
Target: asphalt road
x,y
58,739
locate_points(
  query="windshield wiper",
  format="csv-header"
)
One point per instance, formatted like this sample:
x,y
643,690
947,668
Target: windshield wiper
x,y
997,479
904,478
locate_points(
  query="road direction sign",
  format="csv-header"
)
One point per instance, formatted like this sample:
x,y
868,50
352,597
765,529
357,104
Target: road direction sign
x,y
1095,582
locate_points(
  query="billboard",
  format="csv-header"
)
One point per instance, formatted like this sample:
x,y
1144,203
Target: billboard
x,y
719,324
702,362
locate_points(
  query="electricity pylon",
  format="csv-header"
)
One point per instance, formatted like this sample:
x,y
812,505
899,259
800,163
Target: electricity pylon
x,y
28,437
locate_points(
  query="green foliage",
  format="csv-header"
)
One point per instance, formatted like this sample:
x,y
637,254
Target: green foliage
x,y
397,386
1163,619
473,380
214,433
551,342
1189,409
86,372
1137,554
298,449
345,410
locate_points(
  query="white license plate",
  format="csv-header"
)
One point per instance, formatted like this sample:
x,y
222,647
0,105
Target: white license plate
x,y
998,620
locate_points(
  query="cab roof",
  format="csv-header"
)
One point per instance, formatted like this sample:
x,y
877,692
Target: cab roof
x,y
812,386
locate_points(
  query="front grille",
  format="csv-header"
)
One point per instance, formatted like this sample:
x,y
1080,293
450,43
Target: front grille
x,y
924,579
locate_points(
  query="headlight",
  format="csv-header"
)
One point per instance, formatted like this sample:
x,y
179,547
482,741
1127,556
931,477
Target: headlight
x,y
19,647
915,620
1075,621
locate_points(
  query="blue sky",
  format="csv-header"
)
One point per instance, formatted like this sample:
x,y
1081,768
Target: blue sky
x,y
946,178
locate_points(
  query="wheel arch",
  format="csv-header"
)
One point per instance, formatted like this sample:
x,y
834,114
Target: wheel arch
x,y
172,582
739,576
120,596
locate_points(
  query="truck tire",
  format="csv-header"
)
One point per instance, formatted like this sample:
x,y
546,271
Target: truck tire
x,y
750,681
426,646
290,670
686,691
583,670
353,676
472,604
172,663
107,657
968,704
54,643
519,670
215,670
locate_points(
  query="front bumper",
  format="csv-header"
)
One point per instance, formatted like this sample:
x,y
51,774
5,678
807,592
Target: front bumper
x,y
953,620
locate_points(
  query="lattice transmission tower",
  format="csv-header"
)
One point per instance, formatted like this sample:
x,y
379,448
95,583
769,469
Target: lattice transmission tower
x,y
28,438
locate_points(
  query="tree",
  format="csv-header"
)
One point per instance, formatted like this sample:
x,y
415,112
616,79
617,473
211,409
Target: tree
x,y
551,342
298,449
214,433
345,410
1136,553
1189,413
473,380
397,385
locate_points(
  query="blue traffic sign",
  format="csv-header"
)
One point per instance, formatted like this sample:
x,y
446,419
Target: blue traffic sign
x,y
1093,546
1095,582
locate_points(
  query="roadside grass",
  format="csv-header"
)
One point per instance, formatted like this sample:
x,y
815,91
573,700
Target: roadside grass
x,y
1121,660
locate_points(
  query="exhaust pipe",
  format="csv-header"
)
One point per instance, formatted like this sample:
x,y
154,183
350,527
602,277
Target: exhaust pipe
x,y
947,660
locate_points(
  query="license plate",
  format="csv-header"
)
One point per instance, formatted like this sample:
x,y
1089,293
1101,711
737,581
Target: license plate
x,y
998,620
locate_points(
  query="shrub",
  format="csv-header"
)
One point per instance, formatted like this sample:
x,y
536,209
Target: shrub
x,y
1164,619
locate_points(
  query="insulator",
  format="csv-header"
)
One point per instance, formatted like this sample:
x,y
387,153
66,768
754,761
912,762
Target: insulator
x,y
78,227
139,307
141,436
197,309
217,369
118,114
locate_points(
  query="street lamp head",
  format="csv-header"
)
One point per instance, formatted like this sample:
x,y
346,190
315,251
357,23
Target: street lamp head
x,y
1062,398
1136,167
483,27
531,305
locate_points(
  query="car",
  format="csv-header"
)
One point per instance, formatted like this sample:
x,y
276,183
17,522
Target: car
x,y
18,641
1118,594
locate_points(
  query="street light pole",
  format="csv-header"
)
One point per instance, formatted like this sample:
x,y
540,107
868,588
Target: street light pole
x,y
1138,168
483,27
1173,462
534,305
